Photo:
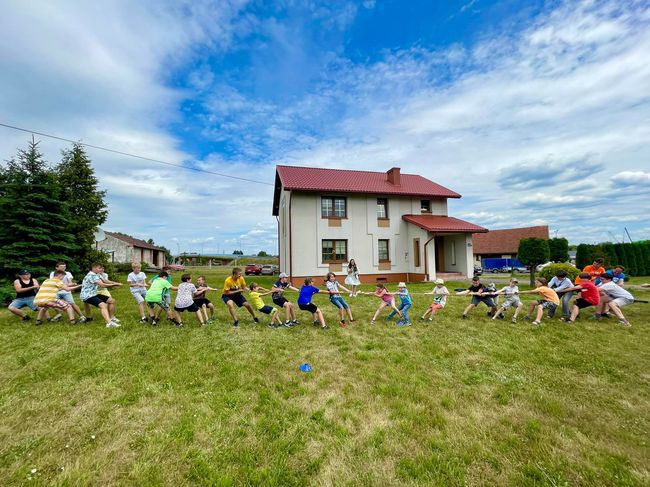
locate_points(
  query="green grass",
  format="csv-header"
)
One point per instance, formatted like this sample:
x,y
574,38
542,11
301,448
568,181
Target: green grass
x,y
453,402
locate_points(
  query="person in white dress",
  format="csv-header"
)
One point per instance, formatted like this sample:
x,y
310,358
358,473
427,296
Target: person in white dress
x,y
353,277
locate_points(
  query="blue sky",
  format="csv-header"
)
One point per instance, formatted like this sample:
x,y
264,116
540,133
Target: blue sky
x,y
536,112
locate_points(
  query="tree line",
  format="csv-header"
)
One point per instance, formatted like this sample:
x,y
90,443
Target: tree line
x,y
635,257
49,213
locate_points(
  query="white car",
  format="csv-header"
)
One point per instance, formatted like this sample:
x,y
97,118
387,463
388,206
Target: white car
x,y
541,266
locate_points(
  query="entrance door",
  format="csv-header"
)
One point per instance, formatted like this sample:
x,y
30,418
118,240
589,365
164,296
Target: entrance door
x,y
440,253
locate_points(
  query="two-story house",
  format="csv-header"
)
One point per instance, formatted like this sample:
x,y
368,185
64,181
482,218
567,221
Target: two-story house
x,y
395,226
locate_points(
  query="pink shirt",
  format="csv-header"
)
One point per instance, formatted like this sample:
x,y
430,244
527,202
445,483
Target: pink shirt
x,y
385,295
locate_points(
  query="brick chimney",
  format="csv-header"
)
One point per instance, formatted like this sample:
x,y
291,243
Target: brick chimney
x,y
393,176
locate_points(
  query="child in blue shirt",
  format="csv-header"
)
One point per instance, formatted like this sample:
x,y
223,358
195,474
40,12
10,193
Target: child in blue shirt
x,y
405,305
305,304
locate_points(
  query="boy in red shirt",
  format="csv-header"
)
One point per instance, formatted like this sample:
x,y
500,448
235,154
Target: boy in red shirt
x,y
589,296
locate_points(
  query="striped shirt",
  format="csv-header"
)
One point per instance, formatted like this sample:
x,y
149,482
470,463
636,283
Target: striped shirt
x,y
47,291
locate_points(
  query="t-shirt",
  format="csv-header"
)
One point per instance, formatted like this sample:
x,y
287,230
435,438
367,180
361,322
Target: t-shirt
x,y
279,284
548,294
615,291
104,290
306,292
475,289
511,290
256,299
158,288
618,278
333,286
231,284
560,284
169,280
593,272
405,297
590,292
440,295
67,280
386,296
47,291
89,285
185,296
138,278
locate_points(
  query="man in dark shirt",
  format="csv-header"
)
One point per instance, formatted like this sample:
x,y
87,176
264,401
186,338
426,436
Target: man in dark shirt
x,y
480,294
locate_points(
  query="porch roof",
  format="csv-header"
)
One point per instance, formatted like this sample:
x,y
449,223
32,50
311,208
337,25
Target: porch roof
x,y
443,224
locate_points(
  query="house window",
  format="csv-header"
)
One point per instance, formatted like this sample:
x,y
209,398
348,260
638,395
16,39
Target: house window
x,y
335,251
332,207
425,206
382,246
453,253
416,252
382,208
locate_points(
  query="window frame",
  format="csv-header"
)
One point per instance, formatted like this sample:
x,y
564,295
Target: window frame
x,y
387,259
333,199
385,203
423,209
334,259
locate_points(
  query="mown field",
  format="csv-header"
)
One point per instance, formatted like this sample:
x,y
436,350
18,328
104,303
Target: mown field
x,y
448,402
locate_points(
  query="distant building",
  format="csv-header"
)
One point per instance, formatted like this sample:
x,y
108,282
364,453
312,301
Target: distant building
x,y
126,249
395,226
504,244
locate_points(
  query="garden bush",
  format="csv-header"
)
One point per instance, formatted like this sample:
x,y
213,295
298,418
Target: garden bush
x,y
549,271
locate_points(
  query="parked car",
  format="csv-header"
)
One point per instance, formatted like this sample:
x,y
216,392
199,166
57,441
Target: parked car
x,y
253,269
521,269
270,270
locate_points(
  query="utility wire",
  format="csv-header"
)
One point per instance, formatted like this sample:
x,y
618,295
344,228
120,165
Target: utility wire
x,y
144,158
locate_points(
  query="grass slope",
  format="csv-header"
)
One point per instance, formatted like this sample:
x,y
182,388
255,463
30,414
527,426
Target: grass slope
x,y
452,402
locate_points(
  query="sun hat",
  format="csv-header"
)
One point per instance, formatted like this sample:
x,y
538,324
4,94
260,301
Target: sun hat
x,y
440,281
401,284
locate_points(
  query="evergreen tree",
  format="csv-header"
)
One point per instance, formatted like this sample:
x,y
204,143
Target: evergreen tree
x,y
559,249
611,259
584,255
86,203
34,233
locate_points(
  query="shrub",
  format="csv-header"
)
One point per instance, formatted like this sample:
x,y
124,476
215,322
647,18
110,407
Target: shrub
x,y
549,271
7,292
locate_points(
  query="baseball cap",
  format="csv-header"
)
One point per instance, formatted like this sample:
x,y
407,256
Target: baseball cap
x,y
283,275
440,281
401,284
23,272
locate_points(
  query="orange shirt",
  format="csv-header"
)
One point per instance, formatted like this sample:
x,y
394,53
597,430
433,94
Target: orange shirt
x,y
548,294
593,272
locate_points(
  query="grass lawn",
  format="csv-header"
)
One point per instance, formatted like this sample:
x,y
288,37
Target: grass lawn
x,y
449,402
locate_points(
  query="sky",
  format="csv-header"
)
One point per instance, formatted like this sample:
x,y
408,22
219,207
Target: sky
x,y
537,112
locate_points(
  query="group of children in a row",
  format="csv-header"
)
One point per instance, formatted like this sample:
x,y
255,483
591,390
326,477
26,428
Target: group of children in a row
x,y
154,297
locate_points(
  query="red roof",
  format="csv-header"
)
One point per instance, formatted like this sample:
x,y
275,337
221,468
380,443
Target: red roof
x,y
443,224
313,179
136,242
506,241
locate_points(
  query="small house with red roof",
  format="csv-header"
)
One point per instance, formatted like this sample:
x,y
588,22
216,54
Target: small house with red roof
x,y
126,249
395,226
504,243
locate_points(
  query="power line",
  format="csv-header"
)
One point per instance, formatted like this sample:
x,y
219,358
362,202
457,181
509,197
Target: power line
x,y
144,158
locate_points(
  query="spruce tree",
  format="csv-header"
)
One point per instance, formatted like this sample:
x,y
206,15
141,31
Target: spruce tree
x,y
86,203
34,230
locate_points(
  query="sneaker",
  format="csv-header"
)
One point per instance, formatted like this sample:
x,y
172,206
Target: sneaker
x,y
422,318
430,318
112,324
325,327
27,318
210,321
372,322
288,324
82,319
256,319
38,322
236,324
606,315
514,320
154,322
463,317
179,324
400,323
624,323
295,322
144,319
343,324
536,323
526,318
56,318
272,325
115,320
73,322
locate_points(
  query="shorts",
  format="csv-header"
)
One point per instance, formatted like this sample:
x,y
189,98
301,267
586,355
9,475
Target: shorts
x,y
167,299
582,303
139,295
96,300
551,307
238,299
268,310
510,302
620,302
19,303
162,304
56,304
280,301
435,306
486,300
339,302
202,302
311,307
193,308
65,296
